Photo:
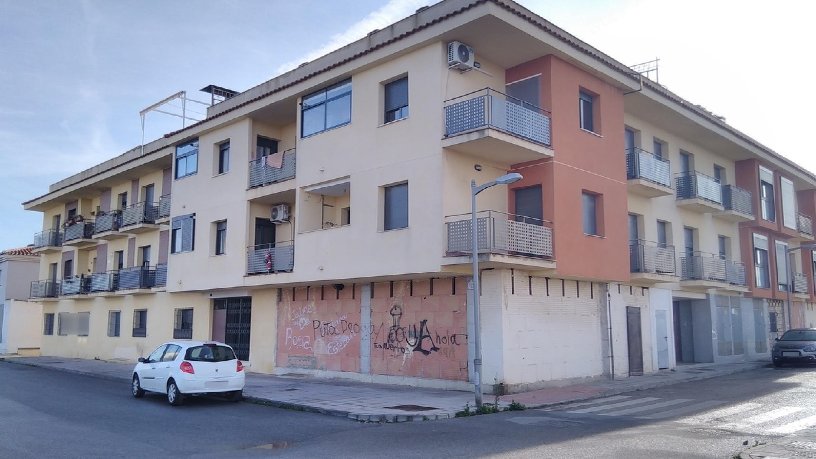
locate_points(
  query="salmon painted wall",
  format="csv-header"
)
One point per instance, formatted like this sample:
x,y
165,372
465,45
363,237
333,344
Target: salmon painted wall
x,y
584,161
416,329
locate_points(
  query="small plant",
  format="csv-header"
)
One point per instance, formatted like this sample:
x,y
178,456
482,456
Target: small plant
x,y
487,408
466,412
515,406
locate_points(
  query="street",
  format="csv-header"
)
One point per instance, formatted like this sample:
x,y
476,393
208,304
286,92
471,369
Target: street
x,y
46,413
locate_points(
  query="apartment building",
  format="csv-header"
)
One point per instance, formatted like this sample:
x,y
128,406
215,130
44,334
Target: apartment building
x,y
19,320
320,221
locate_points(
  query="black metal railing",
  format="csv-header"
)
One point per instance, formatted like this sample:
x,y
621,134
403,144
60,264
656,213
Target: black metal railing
x,y
164,207
161,275
737,199
691,185
78,230
48,238
490,108
76,285
271,258
137,277
44,289
108,221
103,282
641,164
652,258
139,213
711,267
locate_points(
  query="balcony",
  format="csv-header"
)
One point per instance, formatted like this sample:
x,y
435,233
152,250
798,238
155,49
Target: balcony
x,y
79,234
74,286
804,226
504,240
647,174
737,203
699,192
139,218
652,263
102,282
161,276
107,226
492,126
45,289
703,271
271,258
163,215
799,285
136,279
47,241
262,173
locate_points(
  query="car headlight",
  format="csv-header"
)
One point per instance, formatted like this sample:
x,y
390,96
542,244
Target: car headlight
x,y
809,348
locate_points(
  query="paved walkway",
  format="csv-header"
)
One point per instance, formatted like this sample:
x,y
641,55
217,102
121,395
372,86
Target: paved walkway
x,y
385,403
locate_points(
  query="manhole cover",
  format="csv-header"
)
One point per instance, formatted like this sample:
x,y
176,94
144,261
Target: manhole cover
x,y
411,408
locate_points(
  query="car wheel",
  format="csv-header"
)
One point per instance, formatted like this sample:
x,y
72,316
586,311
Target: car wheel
x,y
136,387
174,396
235,396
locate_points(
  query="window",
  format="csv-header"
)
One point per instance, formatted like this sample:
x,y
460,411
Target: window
x,y
114,321
396,100
658,146
586,120
782,267
183,233
187,159
629,139
766,195
83,321
719,174
590,213
788,203
265,146
171,353
144,256
156,355
772,322
68,269
761,263
326,109
140,323
220,237
64,323
123,202
662,234
688,240
48,323
396,207
722,247
223,157
634,231
119,259
183,325
686,162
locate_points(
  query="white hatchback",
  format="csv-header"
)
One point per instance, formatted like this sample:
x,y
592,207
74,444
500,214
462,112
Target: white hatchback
x,y
183,368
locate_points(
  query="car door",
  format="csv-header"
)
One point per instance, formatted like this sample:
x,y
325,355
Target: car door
x,y
165,367
147,374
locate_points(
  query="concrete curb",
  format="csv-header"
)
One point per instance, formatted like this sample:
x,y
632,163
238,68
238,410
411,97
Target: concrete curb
x,y
68,370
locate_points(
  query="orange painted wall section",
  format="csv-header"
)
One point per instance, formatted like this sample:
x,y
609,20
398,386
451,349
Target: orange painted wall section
x,y
584,161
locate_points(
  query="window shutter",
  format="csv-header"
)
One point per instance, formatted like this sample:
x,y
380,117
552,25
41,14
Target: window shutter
x,y
396,94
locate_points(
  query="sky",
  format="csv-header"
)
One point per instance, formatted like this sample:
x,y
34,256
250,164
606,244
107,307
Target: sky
x,y
74,74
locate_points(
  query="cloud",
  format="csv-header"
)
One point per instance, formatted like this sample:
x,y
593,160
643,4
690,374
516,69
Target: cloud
x,y
392,12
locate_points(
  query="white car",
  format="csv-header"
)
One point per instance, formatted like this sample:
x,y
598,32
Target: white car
x,y
183,368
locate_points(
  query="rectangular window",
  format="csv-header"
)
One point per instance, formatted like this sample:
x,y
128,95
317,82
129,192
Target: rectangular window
x,y
788,203
658,146
688,241
396,100
223,157
782,266
772,322
114,321
140,323
83,323
629,139
68,269
220,237
686,163
662,233
48,323
761,262
122,201
182,233
719,174
396,207
766,195
144,256
118,260
64,323
586,102
722,247
590,213
183,324
187,159
326,109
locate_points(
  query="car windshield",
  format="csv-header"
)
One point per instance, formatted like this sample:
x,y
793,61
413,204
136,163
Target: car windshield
x,y
209,353
799,335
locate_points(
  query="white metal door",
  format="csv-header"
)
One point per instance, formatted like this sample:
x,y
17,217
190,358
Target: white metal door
x,y
662,339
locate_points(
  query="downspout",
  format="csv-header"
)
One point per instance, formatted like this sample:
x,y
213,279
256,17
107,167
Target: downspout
x,y
609,327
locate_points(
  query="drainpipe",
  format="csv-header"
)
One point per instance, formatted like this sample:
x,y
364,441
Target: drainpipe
x,y
609,327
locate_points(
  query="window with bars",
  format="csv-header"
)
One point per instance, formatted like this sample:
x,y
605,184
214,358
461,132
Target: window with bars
x,y
140,323
114,322
183,324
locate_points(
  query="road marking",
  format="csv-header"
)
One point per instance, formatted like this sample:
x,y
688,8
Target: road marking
x,y
651,406
716,414
593,409
771,415
795,426
587,403
683,410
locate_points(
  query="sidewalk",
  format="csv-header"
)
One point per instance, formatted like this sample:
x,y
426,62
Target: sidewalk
x,y
384,403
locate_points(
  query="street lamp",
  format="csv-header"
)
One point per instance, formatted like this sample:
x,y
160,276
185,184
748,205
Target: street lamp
x,y
788,269
477,358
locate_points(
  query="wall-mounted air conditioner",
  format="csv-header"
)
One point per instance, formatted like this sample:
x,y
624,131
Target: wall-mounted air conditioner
x,y
280,213
460,56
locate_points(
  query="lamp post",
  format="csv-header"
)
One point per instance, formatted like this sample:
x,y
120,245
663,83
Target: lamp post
x,y
477,358
788,269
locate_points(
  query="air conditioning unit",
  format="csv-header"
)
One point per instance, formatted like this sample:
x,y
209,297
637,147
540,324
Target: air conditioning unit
x,y
280,213
460,56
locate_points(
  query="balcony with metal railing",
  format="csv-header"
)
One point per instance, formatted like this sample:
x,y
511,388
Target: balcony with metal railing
x,y
651,263
699,192
799,284
136,279
271,169
139,218
494,126
76,285
163,212
103,282
647,174
703,271
504,240
804,226
161,275
107,225
45,289
79,234
271,258
47,241
737,204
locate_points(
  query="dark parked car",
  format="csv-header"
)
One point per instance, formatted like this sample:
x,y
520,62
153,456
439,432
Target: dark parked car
x,y
797,345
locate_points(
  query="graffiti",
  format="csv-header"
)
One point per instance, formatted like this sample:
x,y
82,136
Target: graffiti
x,y
405,340
298,341
335,327
300,318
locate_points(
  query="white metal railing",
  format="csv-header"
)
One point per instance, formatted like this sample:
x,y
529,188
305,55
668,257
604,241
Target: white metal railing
x,y
652,258
711,267
271,258
804,224
261,173
500,233
641,164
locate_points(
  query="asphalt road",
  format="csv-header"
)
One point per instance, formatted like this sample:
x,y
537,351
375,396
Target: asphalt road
x,y
46,413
